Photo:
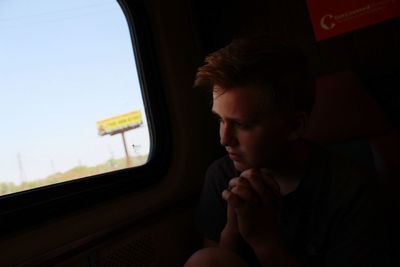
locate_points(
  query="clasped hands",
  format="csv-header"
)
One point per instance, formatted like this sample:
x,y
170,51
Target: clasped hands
x,y
254,202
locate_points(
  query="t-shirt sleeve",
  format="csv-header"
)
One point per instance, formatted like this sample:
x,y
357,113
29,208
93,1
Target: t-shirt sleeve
x,y
211,212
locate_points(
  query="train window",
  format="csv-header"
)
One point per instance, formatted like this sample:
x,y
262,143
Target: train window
x,y
72,103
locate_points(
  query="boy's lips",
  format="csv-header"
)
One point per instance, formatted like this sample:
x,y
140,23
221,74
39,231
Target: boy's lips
x,y
235,156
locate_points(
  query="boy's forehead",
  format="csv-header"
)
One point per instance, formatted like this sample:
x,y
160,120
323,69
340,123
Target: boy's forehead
x,y
241,100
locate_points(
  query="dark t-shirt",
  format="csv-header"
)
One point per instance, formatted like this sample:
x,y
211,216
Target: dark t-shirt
x,y
329,220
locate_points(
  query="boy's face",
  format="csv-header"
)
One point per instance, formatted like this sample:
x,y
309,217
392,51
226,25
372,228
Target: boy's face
x,y
249,130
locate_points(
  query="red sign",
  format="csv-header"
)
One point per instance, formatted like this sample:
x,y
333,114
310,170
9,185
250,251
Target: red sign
x,y
334,17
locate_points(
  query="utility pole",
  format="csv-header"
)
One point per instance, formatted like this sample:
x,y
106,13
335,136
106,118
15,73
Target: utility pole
x,y
128,160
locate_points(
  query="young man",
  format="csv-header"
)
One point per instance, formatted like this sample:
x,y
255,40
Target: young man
x,y
277,199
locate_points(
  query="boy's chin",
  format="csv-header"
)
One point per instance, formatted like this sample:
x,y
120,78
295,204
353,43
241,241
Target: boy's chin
x,y
240,166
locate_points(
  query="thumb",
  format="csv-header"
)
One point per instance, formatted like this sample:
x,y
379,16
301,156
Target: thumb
x,y
231,221
230,236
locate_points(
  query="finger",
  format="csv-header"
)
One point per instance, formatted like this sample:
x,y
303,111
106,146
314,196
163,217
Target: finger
x,y
254,178
233,182
238,181
267,190
231,219
230,235
232,199
225,194
246,194
242,188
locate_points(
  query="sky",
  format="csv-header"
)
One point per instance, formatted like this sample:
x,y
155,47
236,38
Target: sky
x,y
64,65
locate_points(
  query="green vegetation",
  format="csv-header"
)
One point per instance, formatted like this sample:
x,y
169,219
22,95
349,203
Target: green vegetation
x,y
74,173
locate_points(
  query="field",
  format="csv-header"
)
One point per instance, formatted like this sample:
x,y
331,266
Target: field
x,y
72,174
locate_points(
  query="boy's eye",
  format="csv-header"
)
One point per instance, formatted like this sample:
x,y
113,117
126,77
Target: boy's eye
x,y
218,118
242,125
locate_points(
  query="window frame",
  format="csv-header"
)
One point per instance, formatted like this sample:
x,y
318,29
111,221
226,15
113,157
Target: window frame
x,y
30,207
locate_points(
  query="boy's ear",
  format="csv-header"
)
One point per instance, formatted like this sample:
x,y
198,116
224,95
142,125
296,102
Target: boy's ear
x,y
299,125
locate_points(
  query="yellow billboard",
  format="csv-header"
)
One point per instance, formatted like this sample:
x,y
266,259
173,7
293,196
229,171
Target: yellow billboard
x,y
119,123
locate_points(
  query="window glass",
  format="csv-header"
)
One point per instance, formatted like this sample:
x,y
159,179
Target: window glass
x,y
71,99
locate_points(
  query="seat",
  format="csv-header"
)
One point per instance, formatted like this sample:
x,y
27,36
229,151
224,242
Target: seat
x,y
346,118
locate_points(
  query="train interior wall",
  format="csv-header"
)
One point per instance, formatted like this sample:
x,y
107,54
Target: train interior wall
x,y
156,227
